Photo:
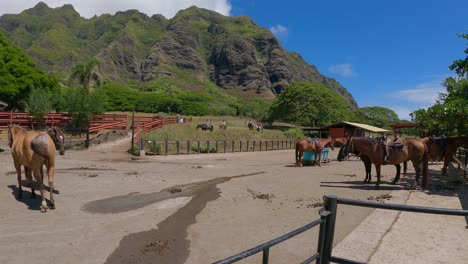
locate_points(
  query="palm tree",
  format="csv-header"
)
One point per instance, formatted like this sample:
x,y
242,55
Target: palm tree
x,y
86,73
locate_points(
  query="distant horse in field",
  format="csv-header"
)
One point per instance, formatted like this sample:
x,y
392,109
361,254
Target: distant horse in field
x,y
412,149
344,152
444,148
259,127
33,149
303,145
222,127
250,125
205,127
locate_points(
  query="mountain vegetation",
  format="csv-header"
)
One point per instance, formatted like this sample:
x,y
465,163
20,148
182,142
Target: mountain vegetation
x,y
178,55
197,63
20,75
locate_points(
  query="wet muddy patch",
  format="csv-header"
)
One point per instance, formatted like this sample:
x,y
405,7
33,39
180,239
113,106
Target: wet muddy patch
x,y
168,243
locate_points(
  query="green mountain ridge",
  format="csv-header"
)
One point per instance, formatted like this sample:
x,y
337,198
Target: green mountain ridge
x,y
196,46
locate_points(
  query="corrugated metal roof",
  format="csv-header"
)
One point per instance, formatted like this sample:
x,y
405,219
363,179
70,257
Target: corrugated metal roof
x,y
363,126
367,127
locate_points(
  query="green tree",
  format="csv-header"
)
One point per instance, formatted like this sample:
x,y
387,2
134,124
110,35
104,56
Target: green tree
x,y
87,74
378,116
448,116
309,104
81,104
19,76
38,105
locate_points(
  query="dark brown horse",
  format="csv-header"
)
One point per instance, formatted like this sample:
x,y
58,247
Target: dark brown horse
x,y
344,152
303,145
33,149
412,149
444,148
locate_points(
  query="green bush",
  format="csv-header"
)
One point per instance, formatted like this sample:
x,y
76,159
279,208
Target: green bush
x,y
203,148
295,133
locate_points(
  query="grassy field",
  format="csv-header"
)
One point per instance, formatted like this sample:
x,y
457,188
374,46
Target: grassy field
x,y
236,130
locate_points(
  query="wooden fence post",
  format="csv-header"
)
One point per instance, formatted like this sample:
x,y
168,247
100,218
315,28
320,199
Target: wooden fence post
x,y
154,147
225,146
240,145
216,146
260,147
189,147
198,146
178,147
167,147
233,146
208,147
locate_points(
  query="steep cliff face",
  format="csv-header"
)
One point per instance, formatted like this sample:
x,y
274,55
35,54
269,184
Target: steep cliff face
x,y
232,52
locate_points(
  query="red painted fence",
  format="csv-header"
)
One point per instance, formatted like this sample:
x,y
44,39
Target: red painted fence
x,y
97,122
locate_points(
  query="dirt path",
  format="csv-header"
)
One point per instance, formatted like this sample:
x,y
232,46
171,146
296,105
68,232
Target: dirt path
x,y
176,209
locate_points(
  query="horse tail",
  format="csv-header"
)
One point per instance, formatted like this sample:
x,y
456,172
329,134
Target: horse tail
x,y
40,145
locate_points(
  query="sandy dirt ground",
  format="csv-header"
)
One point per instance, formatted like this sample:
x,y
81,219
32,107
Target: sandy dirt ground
x,y
112,208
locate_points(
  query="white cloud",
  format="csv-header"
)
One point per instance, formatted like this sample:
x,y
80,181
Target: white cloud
x,y
89,8
280,31
422,95
344,70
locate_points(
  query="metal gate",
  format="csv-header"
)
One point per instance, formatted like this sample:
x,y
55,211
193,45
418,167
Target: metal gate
x,y
327,229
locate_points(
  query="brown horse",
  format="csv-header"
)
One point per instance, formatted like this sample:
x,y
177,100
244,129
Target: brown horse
x,y
33,149
413,149
444,148
344,152
303,145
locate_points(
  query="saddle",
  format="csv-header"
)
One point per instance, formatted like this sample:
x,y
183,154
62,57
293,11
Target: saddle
x,y
314,141
396,145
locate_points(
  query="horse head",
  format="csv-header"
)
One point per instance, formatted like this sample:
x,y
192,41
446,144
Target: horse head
x,y
14,130
330,143
58,138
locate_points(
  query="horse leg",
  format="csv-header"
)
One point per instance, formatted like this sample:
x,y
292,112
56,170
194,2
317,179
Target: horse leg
x,y
18,172
319,154
368,167
418,172
444,168
425,171
397,176
38,178
377,169
50,177
299,161
30,181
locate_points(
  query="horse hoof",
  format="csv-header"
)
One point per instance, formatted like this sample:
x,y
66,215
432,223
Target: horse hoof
x,y
52,207
43,210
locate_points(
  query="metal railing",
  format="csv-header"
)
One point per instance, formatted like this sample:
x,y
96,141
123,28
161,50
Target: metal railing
x,y
461,157
179,147
327,229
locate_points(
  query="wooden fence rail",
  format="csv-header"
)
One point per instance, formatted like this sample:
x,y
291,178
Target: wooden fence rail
x,y
187,147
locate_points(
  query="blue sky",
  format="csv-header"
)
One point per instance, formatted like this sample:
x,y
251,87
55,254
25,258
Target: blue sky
x,y
386,53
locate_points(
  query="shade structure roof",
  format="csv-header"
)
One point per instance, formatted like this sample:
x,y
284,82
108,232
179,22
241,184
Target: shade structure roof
x,y
359,125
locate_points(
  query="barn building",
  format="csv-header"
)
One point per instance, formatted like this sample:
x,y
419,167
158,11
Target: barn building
x,y
344,128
